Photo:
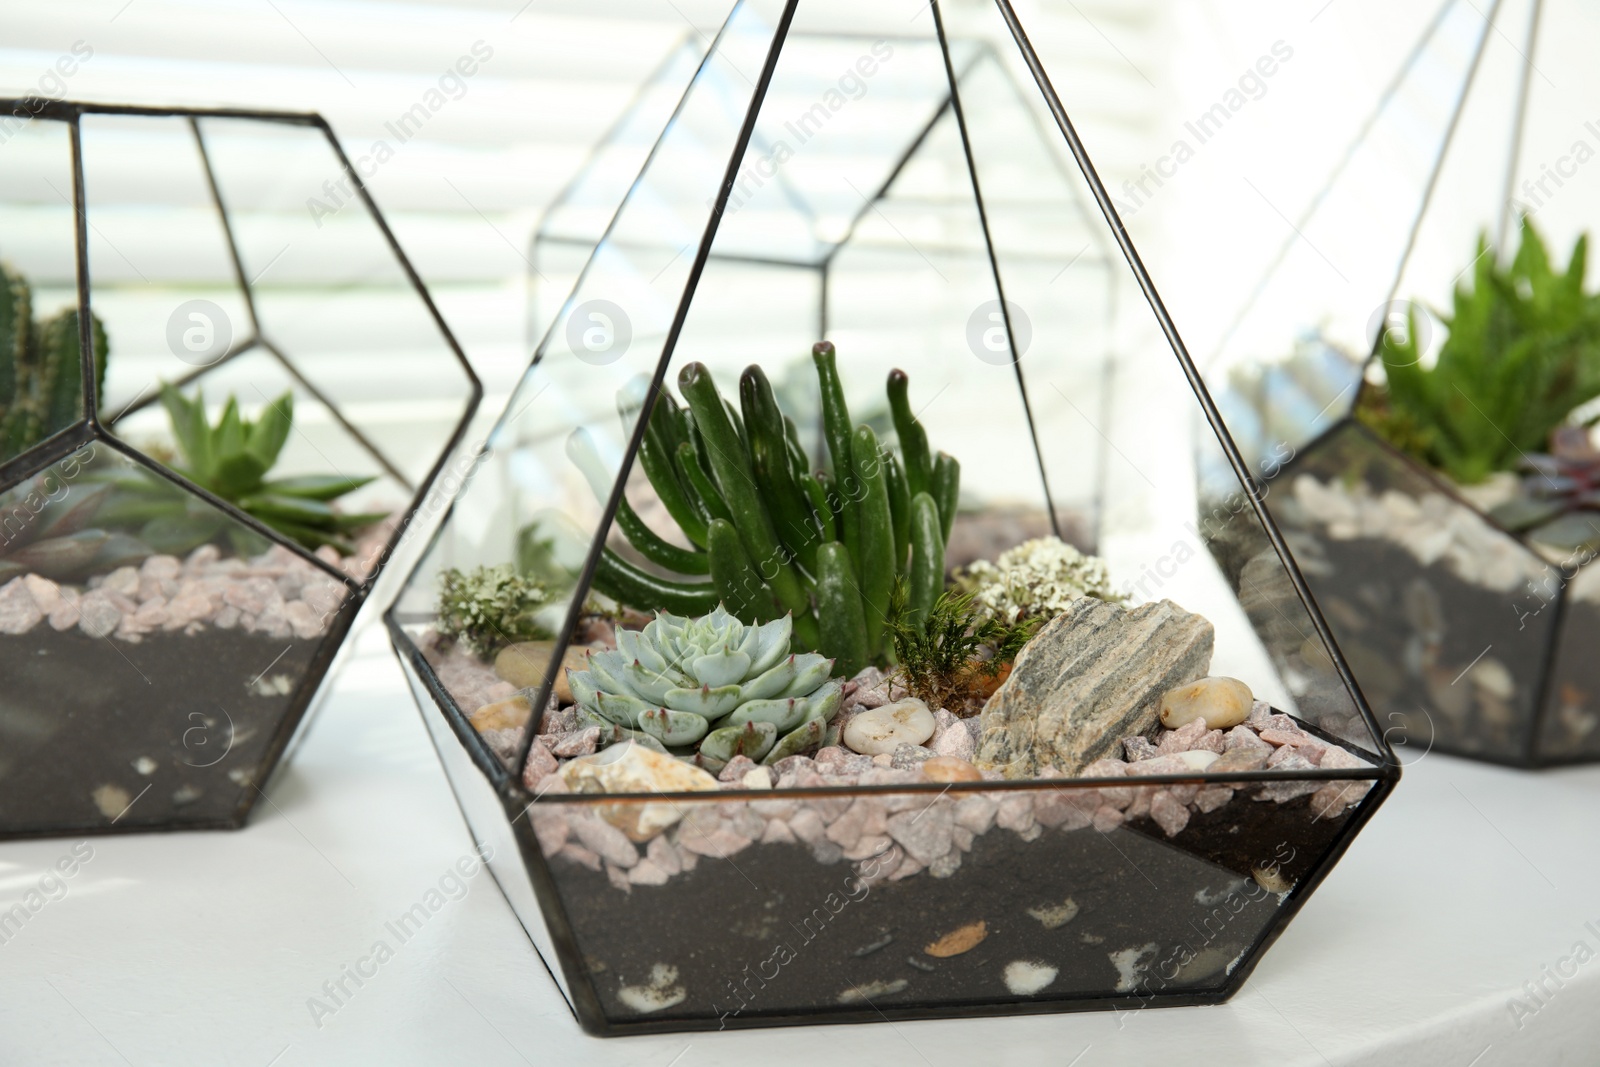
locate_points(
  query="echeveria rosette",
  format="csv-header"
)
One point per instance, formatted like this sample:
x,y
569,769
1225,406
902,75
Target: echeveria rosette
x,y
710,684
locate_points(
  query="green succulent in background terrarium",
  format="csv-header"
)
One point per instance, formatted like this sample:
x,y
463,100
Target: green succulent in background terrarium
x,y
771,533
41,368
60,539
710,685
232,459
1522,353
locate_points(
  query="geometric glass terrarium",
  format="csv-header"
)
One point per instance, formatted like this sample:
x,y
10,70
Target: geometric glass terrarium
x,y
200,481
812,240
780,770
1422,399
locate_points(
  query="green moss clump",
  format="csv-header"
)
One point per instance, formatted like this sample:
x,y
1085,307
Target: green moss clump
x,y
490,607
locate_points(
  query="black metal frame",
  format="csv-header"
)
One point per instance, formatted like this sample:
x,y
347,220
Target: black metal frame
x,y
823,266
516,800
93,427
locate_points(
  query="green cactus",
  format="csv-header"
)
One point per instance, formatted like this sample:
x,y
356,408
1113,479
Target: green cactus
x,y
41,371
774,534
710,686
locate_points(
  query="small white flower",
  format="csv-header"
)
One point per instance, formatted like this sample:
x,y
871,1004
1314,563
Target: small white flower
x,y
1039,577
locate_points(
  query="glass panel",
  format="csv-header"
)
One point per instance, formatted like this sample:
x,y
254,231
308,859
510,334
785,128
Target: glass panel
x,y
578,218
611,332
331,297
1373,603
1061,275
184,666
1337,269
497,839
318,448
41,377
161,275
1570,725
925,899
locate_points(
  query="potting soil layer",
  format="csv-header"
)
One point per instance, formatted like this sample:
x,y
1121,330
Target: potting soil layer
x,y
1456,666
1570,726
171,731
1072,920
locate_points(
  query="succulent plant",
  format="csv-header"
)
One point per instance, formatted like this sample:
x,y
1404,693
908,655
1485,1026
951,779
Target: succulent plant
x,y
41,369
1522,353
60,537
232,460
490,607
712,686
772,533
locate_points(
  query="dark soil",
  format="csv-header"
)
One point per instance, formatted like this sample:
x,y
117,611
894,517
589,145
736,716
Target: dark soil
x,y
77,713
771,931
1364,599
1570,727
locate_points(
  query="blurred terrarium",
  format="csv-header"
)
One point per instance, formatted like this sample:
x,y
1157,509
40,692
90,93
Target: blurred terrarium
x,y
176,577
1437,478
761,669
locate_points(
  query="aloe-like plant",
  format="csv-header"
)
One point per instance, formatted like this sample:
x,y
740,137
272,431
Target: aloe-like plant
x,y
711,686
232,459
1523,352
41,369
771,533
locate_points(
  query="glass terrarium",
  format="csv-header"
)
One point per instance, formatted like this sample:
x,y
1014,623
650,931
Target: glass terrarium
x,y
700,636
1415,375
831,244
203,476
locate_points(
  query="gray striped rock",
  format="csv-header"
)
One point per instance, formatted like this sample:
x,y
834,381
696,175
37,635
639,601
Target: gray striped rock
x,y
1091,677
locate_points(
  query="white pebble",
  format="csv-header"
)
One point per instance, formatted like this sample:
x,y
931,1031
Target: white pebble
x,y
1197,758
871,991
662,992
878,731
1026,977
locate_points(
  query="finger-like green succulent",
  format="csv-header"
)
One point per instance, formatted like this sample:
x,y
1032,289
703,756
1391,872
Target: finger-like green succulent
x,y
712,686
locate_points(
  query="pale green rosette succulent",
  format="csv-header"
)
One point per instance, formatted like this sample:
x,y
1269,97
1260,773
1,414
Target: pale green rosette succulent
x,y
709,686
